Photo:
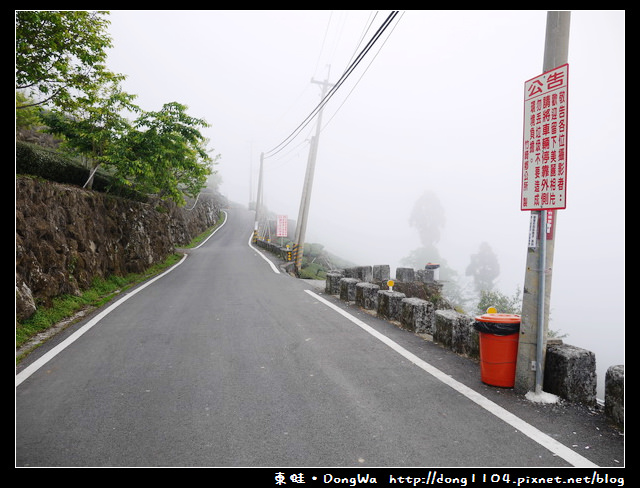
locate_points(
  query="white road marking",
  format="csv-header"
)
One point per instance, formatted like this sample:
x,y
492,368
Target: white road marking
x,y
273,266
210,236
45,358
527,429
540,437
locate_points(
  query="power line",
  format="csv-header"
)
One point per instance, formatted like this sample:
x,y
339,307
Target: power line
x,y
368,25
357,82
338,84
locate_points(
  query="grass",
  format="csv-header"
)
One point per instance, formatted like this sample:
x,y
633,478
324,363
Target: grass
x,y
313,271
102,291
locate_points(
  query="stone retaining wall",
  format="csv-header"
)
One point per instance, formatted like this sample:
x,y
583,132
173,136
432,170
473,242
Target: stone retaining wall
x,y
66,236
569,371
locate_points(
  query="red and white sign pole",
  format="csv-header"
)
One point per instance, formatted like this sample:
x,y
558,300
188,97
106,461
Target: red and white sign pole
x,y
543,191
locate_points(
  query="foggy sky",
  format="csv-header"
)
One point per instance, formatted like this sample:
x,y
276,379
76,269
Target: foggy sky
x,y
437,105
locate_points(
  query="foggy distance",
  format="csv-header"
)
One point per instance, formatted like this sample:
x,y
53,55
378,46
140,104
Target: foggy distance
x,y
434,107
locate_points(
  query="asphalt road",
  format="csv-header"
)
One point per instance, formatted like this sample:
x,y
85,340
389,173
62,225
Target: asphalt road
x,y
225,362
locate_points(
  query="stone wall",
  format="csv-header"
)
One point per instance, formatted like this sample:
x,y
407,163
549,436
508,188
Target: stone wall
x,y
417,305
614,394
67,236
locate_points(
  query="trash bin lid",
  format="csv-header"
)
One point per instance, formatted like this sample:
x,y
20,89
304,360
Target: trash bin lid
x,y
499,318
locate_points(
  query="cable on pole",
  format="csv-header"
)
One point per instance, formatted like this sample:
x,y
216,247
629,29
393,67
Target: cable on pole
x,y
335,87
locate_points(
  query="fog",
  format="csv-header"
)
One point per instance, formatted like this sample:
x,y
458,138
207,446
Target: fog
x,y
435,105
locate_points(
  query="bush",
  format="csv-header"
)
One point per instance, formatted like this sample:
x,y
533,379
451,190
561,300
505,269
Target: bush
x,y
502,303
48,164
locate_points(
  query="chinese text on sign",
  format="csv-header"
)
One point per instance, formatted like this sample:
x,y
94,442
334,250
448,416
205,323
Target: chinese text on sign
x,y
281,226
544,155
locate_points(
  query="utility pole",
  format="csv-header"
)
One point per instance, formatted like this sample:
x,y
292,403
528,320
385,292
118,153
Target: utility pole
x,y
534,324
259,209
301,227
250,177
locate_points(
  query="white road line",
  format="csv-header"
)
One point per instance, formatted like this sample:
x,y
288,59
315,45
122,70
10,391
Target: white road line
x,y
540,437
45,358
220,227
36,365
273,266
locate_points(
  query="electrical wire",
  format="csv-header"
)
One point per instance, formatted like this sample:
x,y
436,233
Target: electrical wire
x,y
335,87
357,82
368,24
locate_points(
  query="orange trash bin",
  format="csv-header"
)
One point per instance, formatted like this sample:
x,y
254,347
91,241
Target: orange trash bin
x,y
498,334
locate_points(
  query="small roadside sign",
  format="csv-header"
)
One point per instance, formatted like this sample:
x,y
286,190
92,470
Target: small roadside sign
x,y
282,226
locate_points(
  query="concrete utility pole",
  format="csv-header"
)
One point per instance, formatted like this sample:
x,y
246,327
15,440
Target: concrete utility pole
x,y
301,227
537,287
250,177
259,209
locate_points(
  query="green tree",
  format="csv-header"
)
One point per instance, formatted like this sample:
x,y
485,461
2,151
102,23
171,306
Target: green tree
x,y
97,128
60,54
27,116
166,154
484,268
60,59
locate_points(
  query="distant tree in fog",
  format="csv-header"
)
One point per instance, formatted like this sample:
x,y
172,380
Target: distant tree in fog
x,y
427,216
484,268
